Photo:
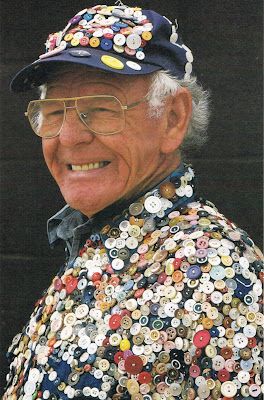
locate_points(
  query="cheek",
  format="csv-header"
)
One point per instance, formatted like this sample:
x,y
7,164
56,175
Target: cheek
x,y
49,148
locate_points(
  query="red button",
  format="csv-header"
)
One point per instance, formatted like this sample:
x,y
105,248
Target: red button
x,y
201,338
58,285
109,35
177,263
71,284
252,342
144,377
118,357
223,375
194,371
96,276
138,293
115,321
133,364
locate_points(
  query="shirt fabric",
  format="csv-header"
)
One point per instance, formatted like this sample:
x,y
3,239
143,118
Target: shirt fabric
x,y
159,298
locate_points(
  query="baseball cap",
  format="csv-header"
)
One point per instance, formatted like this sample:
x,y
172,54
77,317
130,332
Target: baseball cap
x,y
119,38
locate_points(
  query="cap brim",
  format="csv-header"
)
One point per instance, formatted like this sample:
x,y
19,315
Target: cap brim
x,y
35,74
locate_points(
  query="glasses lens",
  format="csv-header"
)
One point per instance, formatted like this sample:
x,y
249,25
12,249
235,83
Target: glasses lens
x,y
46,117
103,115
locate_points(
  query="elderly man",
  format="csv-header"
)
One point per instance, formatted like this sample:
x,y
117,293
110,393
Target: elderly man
x,y
159,297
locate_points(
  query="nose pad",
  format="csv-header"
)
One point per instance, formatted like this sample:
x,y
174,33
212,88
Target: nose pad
x,y
73,130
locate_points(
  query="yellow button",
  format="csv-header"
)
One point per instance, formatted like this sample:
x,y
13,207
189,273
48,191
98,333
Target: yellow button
x,y
124,344
229,272
94,42
147,35
210,351
68,37
111,61
75,42
227,260
155,335
132,386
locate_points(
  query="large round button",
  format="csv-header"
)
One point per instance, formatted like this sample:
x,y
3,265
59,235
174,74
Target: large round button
x,y
133,364
228,389
153,204
201,338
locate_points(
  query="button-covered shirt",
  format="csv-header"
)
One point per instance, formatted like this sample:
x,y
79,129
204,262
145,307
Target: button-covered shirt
x,y
159,298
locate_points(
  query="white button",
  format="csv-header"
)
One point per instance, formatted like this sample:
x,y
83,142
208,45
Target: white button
x,y
133,41
81,311
110,243
117,264
66,332
119,39
133,65
218,363
153,204
29,387
188,191
131,243
243,376
92,348
52,376
249,331
240,340
84,342
228,389
140,55
34,375
69,319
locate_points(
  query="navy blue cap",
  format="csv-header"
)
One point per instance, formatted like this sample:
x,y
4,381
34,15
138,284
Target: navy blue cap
x,y
118,39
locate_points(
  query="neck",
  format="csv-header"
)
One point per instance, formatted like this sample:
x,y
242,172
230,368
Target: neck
x,y
162,171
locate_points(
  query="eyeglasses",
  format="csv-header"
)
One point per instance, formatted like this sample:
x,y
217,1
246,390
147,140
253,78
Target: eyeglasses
x,y
103,115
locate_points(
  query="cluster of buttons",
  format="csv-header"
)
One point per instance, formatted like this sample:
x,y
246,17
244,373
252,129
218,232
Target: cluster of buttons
x,y
119,29
164,303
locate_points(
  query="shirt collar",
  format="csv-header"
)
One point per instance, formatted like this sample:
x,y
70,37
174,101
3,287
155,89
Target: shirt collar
x,y
66,222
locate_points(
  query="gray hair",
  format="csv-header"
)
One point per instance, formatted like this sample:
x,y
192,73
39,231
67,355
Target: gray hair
x,y
162,85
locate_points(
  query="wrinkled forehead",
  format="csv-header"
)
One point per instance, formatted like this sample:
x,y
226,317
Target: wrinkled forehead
x,y
64,77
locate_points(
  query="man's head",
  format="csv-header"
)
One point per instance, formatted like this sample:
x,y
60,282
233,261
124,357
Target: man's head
x,y
115,130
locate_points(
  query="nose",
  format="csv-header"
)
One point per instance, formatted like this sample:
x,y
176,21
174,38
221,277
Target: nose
x,y
73,131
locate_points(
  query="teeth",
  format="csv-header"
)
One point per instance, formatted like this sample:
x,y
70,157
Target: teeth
x,y
86,167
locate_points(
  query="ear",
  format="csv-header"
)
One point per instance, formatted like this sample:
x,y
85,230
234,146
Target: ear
x,y
178,110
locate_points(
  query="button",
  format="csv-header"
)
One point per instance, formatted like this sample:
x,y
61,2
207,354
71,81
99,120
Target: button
x,y
133,65
228,389
240,340
106,44
94,42
115,321
119,39
201,338
133,364
147,36
111,62
118,264
133,41
153,204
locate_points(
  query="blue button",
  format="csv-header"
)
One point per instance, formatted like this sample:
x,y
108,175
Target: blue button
x,y
115,28
194,272
106,44
87,17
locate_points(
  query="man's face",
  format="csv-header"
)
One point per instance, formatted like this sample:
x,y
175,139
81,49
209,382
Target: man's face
x,y
133,156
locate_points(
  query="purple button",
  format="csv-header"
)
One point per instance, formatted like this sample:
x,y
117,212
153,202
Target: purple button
x,y
194,272
75,19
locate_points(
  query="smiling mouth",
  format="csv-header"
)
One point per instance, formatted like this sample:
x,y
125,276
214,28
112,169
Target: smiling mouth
x,y
89,166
